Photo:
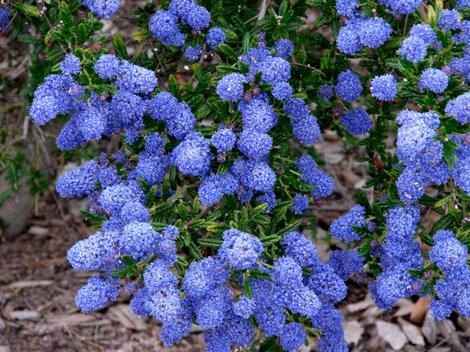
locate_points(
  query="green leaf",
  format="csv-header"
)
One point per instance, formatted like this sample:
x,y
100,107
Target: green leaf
x,y
119,46
228,52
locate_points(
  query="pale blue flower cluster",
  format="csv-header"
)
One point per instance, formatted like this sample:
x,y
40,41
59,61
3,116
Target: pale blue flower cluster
x,y
165,25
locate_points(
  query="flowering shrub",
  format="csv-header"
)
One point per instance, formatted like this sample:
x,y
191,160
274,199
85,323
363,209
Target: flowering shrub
x,y
205,210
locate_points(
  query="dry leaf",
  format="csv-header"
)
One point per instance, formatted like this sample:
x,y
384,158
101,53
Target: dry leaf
x,y
392,334
69,319
412,332
122,314
356,307
421,307
353,331
429,328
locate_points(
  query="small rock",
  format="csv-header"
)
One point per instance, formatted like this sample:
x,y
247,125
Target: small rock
x,y
38,231
353,331
447,328
25,315
392,334
412,332
405,307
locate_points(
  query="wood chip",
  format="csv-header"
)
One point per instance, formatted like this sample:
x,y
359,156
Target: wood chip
x,y
392,334
4,349
429,328
122,314
69,319
421,307
30,283
412,332
25,315
2,325
353,331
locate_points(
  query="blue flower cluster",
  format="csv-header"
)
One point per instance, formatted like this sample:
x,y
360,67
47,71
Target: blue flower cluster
x,y
360,31
165,26
96,116
102,8
384,87
344,228
453,290
421,37
405,7
399,254
420,153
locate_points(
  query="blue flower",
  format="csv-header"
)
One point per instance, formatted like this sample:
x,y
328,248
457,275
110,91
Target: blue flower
x,y
193,53
312,175
97,294
356,122
433,79
384,87
230,87
164,26
424,32
346,262
374,32
348,40
97,252
192,156
215,36
107,66
71,65
284,48
275,70
300,204
255,145
343,227
458,108
346,8
306,129
257,115
348,87
326,91
223,140
139,240
292,336
197,17
413,49
136,79
448,20
79,182
282,91
244,307
240,250
102,8
5,16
